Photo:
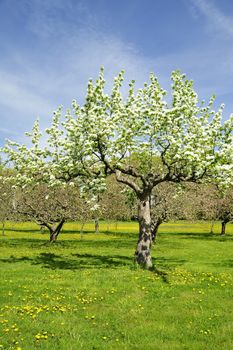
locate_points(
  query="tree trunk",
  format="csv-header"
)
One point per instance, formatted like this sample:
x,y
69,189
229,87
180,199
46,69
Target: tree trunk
x,y
96,225
3,228
116,226
223,230
142,253
53,236
212,227
81,229
42,229
154,228
54,232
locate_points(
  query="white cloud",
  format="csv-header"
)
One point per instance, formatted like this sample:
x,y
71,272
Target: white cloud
x,y
8,132
17,96
217,20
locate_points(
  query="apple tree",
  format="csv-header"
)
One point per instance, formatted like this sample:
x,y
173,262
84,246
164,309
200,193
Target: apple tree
x,y
188,137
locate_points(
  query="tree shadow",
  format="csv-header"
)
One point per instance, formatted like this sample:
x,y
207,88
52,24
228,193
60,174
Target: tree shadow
x,y
14,229
86,261
169,262
13,259
35,243
160,273
122,234
24,242
224,263
228,263
76,262
201,236
92,261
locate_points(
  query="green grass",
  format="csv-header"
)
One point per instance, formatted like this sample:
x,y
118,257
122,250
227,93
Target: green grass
x,y
85,293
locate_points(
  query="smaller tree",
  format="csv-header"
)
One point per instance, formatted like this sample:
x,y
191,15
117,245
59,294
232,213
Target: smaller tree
x,y
225,210
49,207
6,201
211,203
114,202
166,204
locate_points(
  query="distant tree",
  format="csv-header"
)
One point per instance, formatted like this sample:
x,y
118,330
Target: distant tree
x,y
224,204
198,201
208,202
49,207
166,205
6,200
114,202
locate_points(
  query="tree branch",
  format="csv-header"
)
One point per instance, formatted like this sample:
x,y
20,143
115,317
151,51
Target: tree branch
x,y
128,182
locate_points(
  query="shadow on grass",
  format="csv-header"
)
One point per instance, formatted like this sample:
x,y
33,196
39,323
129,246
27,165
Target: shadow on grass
x,y
73,231
160,273
164,265
169,262
122,234
228,263
14,229
201,236
76,262
35,243
107,233
93,261
223,263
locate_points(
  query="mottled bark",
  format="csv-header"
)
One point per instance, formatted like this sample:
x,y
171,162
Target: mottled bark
x,y
143,249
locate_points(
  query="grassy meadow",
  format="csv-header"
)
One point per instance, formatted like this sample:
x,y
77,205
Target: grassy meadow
x,y
84,291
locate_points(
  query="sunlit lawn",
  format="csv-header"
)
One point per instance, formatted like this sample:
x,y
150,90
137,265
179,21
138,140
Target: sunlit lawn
x,y
84,292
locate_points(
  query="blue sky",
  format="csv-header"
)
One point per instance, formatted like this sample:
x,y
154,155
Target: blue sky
x,y
50,48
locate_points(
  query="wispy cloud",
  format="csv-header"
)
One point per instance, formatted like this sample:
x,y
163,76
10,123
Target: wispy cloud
x,y
216,18
9,132
15,94
47,18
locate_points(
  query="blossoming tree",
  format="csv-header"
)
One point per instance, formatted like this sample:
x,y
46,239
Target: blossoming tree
x,y
188,138
102,136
